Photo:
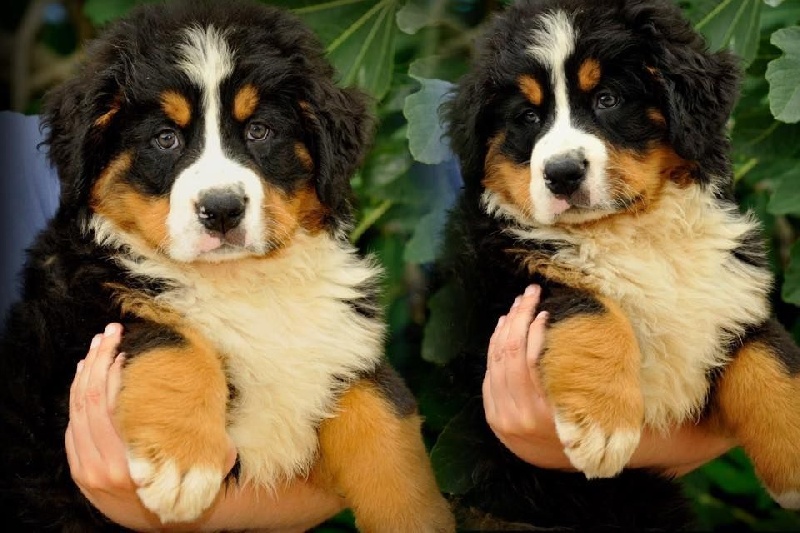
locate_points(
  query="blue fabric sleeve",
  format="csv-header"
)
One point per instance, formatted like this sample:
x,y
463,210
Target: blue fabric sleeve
x,y
29,192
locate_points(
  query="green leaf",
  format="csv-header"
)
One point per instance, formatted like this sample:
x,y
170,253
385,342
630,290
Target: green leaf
x,y
783,75
453,456
359,36
425,133
101,12
424,245
414,16
786,198
791,282
443,338
732,24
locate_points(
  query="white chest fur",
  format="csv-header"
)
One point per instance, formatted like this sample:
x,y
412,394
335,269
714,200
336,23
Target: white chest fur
x,y
287,336
672,272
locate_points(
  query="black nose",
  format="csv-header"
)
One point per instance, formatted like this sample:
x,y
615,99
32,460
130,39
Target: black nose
x,y
221,211
564,174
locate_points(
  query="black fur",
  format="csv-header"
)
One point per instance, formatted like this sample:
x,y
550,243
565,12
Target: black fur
x,y
66,296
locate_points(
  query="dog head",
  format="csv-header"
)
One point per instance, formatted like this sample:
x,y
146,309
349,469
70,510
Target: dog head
x,y
576,110
207,131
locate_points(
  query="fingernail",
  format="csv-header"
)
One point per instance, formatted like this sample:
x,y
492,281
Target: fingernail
x,y
531,290
110,330
543,316
95,341
80,366
120,358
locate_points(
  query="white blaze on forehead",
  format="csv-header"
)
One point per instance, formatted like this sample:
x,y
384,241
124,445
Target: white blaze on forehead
x,y
555,40
208,60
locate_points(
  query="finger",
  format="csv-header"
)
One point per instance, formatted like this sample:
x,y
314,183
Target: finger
x,y
98,413
73,459
536,334
114,382
517,373
82,445
489,407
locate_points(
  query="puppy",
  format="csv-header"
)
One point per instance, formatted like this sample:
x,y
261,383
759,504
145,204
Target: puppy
x,y
592,139
204,154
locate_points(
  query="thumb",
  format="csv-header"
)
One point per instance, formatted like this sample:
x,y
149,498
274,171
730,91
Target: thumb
x,y
536,332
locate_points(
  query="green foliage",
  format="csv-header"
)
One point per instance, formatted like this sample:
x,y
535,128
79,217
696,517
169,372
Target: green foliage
x,y
407,54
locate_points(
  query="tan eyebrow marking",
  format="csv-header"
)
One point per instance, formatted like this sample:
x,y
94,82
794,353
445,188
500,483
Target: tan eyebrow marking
x,y
589,75
531,88
177,108
245,102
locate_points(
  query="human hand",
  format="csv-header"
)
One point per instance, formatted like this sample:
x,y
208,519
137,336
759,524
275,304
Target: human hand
x,y
516,409
95,450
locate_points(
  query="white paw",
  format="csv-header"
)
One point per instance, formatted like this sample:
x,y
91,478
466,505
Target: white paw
x,y
787,500
174,496
595,452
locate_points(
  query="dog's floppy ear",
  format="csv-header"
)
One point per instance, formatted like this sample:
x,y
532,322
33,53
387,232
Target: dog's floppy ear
x,y
342,126
78,117
699,88
462,113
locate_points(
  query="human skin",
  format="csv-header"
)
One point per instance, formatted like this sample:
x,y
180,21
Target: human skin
x,y
520,416
96,456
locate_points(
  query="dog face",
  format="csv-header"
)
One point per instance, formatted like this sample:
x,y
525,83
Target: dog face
x,y
207,141
575,110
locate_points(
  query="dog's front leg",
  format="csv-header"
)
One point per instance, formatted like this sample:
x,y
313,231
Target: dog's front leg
x,y
590,372
373,455
171,414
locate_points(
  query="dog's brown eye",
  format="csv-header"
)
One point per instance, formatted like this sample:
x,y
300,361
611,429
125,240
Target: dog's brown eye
x,y
606,100
167,140
257,131
530,116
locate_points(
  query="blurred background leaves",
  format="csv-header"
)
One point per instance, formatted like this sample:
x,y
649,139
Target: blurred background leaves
x,y
406,54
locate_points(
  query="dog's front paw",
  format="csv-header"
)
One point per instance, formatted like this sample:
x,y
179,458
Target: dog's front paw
x,y
173,493
596,452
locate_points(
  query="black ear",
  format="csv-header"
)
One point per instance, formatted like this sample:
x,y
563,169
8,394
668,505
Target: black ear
x,y
342,126
77,117
463,114
698,88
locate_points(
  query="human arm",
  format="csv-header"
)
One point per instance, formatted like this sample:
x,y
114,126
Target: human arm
x,y
98,464
522,419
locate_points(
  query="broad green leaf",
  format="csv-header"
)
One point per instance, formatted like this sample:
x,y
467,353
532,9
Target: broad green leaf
x,y
732,24
443,338
453,456
414,16
783,75
786,198
424,245
101,12
791,282
425,133
359,36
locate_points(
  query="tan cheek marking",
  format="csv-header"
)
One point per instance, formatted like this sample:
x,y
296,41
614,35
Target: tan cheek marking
x,y
589,75
511,182
177,108
755,391
304,156
245,102
644,175
366,443
289,213
128,209
531,89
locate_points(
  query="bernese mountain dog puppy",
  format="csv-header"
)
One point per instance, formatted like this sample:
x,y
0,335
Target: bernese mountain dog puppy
x,y
592,140
204,154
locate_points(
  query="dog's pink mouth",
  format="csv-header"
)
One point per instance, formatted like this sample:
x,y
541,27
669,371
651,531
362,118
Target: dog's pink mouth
x,y
209,243
559,205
